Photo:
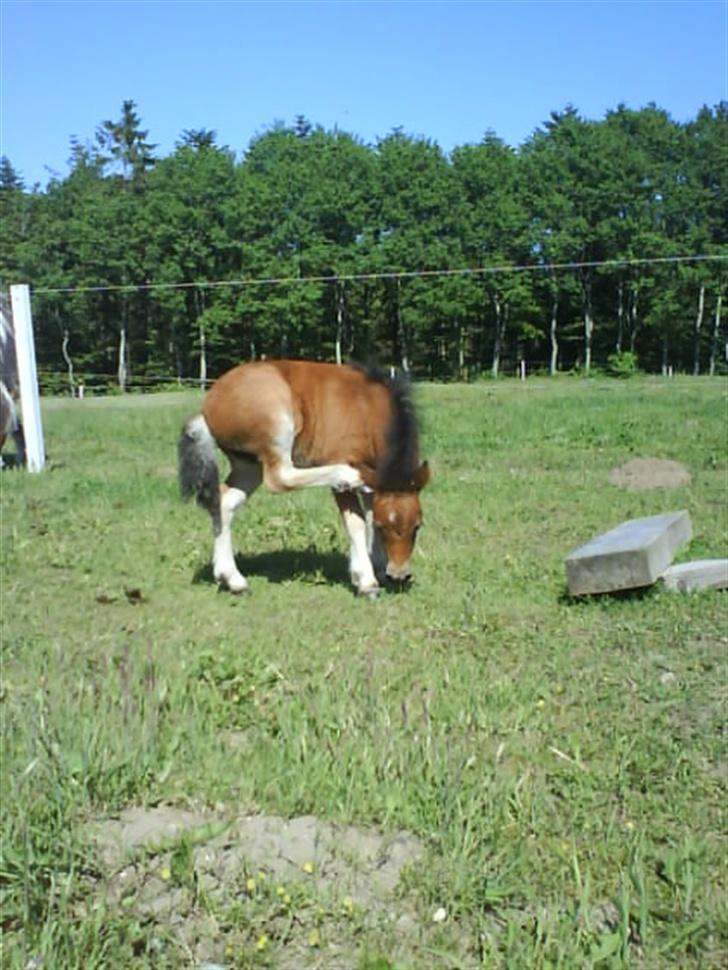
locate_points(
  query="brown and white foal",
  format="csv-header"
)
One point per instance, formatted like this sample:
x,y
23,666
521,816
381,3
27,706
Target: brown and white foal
x,y
298,424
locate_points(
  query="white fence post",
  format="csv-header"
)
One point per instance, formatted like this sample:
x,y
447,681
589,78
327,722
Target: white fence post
x,y
27,377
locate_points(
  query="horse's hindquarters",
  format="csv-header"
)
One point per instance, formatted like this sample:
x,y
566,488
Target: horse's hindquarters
x,y
244,408
8,415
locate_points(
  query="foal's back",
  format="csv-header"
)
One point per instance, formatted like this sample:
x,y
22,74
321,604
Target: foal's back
x,y
339,413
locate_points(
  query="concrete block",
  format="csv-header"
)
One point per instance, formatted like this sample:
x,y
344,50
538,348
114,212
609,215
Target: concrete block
x,y
700,574
634,554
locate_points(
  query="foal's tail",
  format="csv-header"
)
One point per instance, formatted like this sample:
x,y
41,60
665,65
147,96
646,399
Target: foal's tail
x,y
198,474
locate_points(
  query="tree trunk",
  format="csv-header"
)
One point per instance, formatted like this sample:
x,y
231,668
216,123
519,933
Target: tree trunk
x,y
554,363
665,354
716,334
697,329
203,355
462,336
69,362
174,353
200,307
633,319
339,321
124,368
401,333
501,320
588,323
122,373
620,317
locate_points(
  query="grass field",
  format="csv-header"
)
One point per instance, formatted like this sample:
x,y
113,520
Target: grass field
x,y
563,763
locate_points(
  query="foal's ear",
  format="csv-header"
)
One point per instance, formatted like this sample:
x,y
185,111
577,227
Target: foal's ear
x,y
423,476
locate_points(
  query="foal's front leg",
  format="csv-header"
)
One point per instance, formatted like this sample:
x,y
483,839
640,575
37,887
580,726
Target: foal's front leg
x,y
374,544
360,564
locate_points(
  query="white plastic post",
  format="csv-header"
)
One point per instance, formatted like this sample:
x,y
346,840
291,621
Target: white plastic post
x,y
27,377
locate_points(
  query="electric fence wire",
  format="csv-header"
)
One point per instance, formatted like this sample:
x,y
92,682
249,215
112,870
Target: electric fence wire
x,y
388,275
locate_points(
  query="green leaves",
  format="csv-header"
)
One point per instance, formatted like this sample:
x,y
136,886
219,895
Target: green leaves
x,y
202,258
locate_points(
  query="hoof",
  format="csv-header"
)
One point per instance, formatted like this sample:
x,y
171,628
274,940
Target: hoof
x,y
349,480
234,584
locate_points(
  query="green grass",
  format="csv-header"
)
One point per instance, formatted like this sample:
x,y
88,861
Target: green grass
x,y
564,761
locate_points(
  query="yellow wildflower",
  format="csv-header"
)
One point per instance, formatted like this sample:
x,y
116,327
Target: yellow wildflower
x,y
250,885
166,873
308,868
262,943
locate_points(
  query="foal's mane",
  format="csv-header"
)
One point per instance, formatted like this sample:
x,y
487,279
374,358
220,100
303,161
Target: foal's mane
x,y
396,469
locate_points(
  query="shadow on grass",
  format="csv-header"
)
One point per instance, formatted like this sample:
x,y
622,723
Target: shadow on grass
x,y
619,595
328,568
310,565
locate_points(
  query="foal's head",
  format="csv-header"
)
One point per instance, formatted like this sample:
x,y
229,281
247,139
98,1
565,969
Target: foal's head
x,y
397,519
397,480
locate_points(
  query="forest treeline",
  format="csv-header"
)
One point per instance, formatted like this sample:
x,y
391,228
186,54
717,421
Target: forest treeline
x,y
572,243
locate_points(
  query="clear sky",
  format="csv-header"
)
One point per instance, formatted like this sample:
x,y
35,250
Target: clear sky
x,y
446,70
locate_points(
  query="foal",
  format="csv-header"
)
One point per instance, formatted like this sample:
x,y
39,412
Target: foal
x,y
298,424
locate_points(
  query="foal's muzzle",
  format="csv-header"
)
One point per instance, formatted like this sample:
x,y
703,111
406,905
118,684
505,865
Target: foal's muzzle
x,y
399,576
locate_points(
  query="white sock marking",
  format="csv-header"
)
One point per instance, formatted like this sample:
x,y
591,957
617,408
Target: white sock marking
x,y
360,565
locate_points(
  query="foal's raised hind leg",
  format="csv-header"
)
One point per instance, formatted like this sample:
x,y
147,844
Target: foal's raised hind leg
x,y
360,564
281,475
245,476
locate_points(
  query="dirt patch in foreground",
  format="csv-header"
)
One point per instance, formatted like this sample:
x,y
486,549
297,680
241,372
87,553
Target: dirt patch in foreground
x,y
641,474
303,891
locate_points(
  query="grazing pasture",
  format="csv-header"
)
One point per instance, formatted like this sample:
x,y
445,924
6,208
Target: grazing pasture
x,y
560,764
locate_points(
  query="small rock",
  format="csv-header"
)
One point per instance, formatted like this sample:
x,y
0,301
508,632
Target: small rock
x,y
440,915
687,577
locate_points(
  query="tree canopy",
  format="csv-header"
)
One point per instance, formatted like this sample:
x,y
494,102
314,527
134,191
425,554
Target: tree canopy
x,y
562,252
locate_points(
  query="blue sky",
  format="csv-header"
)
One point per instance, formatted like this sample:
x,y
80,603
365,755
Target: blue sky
x,y
448,71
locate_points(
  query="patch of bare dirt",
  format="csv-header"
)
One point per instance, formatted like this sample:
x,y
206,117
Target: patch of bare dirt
x,y
364,864
136,828
641,474
293,881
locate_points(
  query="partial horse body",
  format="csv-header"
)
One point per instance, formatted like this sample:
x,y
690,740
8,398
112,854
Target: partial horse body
x,y
299,424
9,385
